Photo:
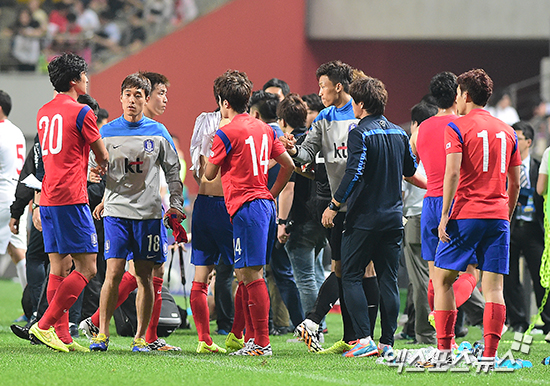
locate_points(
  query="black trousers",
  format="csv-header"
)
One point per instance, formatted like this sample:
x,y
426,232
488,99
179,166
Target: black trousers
x,y
526,239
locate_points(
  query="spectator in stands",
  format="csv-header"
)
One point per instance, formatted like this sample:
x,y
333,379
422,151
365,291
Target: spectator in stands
x,y
39,14
502,108
158,15
87,18
135,36
108,37
539,122
26,33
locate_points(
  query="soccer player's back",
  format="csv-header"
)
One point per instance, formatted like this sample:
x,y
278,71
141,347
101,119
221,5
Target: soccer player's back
x,y
483,170
242,150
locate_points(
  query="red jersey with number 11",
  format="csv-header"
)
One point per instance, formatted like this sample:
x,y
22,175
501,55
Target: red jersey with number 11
x,y
243,149
65,130
489,148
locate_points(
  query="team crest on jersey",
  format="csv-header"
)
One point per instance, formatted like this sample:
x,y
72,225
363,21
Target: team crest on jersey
x,y
148,145
352,126
107,245
94,239
448,145
382,124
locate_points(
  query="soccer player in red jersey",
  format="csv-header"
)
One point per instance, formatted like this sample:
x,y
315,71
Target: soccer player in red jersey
x,y
67,130
429,142
482,169
242,150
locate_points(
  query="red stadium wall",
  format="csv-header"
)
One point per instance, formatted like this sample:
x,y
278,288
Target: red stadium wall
x,y
267,39
264,39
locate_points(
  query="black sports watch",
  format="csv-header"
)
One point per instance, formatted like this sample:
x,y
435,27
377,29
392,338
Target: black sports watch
x,y
333,206
280,221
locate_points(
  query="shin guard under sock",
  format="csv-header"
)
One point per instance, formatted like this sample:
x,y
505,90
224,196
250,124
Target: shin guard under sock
x,y
201,314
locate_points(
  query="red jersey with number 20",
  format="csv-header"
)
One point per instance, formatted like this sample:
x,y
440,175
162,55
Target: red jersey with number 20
x,y
65,130
489,148
243,149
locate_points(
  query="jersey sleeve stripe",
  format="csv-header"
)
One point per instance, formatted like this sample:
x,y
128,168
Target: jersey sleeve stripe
x,y
81,116
457,130
225,140
515,142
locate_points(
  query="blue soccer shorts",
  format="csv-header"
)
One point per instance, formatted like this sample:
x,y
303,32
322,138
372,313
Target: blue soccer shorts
x,y
429,222
254,231
481,242
68,229
141,239
212,232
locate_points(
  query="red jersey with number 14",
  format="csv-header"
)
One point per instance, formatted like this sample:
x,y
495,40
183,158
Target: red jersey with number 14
x,y
65,130
243,149
489,148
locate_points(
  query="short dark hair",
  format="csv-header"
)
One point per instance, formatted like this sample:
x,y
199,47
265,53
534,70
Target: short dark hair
x,y
371,92
525,128
65,68
136,80
443,88
234,87
313,102
266,103
337,72
102,114
155,78
86,99
293,110
274,82
478,85
429,99
422,111
5,102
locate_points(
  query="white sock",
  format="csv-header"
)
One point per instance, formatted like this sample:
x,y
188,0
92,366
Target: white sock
x,y
366,340
21,268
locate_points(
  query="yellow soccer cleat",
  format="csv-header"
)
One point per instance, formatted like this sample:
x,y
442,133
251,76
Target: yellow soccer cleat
x,y
73,346
203,348
48,337
233,343
337,348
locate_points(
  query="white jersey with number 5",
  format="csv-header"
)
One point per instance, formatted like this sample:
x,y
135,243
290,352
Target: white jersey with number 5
x,y
12,156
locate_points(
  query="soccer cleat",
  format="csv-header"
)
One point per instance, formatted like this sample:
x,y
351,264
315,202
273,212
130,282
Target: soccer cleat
x,y
73,346
203,348
88,328
140,345
99,343
246,347
20,331
254,350
386,351
310,338
233,343
362,350
337,348
431,318
48,337
161,345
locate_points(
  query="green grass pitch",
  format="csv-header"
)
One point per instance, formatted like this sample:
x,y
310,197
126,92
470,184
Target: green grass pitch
x,y
291,364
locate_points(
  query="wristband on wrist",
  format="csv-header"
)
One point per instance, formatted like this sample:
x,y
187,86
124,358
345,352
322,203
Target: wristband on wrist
x,y
34,206
333,206
280,221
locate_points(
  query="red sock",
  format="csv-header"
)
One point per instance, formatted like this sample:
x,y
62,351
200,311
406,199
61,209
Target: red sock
x,y
431,295
238,319
151,334
125,288
463,288
445,328
258,305
199,308
249,327
62,325
494,317
65,296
